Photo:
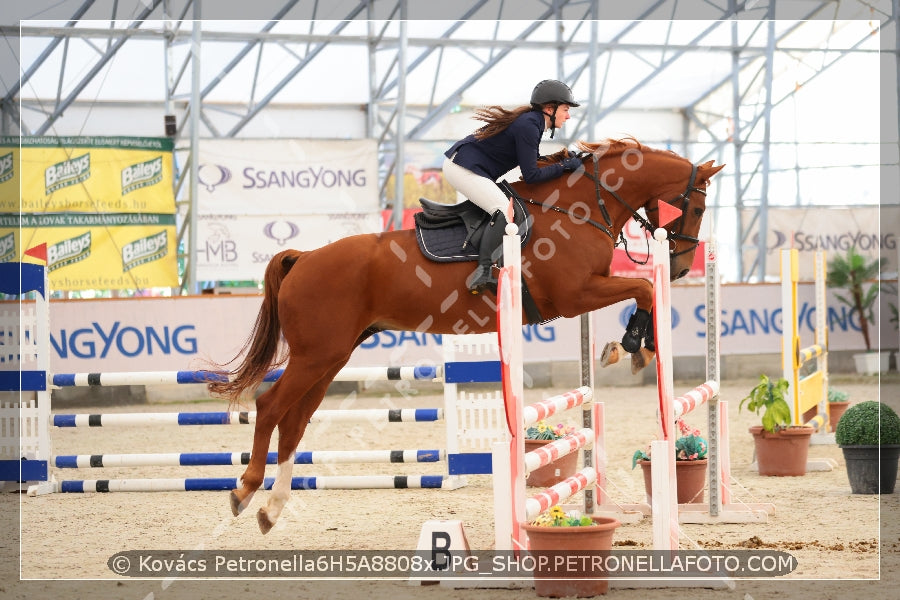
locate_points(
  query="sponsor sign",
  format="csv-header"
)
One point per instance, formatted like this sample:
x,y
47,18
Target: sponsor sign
x,y
104,206
287,177
88,175
872,230
97,251
150,334
239,248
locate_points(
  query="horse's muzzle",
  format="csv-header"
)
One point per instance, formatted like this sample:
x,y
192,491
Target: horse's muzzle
x,y
679,275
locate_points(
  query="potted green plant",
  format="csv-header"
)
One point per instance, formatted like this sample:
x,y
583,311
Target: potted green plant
x,y
556,534
540,434
869,436
850,273
781,448
690,465
838,402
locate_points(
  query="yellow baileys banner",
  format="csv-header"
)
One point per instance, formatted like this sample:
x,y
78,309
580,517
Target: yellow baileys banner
x,y
89,174
104,206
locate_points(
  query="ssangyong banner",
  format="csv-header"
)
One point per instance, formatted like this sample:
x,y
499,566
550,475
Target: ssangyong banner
x,y
287,177
233,248
159,334
872,230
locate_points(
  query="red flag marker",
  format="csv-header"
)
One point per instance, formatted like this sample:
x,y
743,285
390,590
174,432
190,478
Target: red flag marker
x,y
38,252
667,213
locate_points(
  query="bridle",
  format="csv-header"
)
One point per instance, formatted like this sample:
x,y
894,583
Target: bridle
x,y
685,198
673,235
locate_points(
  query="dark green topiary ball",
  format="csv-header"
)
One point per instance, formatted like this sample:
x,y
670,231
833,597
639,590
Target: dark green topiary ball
x,y
859,426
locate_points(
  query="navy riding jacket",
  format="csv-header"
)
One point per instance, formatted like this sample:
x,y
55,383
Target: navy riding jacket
x,y
517,145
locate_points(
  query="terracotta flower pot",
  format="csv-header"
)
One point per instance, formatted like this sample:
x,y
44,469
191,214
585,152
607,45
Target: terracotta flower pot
x,y
835,411
782,453
554,577
550,475
690,480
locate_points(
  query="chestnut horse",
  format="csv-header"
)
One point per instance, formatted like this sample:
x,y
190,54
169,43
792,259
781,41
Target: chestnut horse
x,y
325,302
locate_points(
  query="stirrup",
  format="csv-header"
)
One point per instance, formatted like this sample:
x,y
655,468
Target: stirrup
x,y
482,280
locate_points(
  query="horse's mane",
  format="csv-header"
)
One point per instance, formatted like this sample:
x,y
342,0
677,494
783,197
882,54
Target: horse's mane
x,y
608,147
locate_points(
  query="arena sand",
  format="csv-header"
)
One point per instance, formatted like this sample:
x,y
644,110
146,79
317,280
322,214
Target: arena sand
x,y
844,543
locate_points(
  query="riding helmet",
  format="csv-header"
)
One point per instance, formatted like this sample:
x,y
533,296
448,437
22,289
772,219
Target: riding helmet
x,y
551,90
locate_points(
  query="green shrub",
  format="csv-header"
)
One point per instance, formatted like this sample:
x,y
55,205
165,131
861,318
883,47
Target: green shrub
x,y
860,425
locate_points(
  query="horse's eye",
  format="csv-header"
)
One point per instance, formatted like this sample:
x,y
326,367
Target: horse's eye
x,y
698,212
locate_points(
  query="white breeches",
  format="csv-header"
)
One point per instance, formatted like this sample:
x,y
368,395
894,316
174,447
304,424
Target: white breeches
x,y
480,190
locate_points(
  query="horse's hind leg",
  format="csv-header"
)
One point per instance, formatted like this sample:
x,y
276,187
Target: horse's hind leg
x,y
290,430
268,413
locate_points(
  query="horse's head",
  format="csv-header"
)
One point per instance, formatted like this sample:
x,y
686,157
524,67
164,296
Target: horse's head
x,y
683,231
624,175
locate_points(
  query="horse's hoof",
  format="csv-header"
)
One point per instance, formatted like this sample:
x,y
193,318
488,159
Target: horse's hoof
x,y
237,507
265,525
640,359
610,354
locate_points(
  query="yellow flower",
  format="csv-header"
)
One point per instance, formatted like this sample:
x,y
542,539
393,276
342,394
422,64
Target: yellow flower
x,y
543,520
557,513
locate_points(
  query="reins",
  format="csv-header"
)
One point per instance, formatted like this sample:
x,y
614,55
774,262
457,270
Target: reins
x,y
644,223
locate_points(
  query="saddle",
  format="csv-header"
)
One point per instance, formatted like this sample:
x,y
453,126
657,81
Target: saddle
x,y
453,233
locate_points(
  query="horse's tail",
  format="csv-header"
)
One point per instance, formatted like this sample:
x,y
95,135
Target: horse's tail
x,y
262,346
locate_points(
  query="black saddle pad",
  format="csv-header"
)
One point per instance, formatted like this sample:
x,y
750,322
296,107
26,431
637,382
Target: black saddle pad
x,y
452,233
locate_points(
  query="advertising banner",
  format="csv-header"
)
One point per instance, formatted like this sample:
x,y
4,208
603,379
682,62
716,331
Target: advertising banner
x,y
287,177
97,252
872,230
87,175
232,248
150,334
104,206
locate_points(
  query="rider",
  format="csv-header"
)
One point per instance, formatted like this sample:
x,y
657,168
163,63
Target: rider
x,y
510,138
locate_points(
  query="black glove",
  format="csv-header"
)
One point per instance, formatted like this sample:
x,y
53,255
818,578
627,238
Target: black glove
x,y
571,163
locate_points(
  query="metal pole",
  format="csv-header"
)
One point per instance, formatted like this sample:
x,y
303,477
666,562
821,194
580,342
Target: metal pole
x,y
400,159
767,134
191,253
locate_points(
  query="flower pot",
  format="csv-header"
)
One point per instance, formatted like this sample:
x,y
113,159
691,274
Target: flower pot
x,y
690,480
554,577
835,412
871,363
782,453
550,475
863,464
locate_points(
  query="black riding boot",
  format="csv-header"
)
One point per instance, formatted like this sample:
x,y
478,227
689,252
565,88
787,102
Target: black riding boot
x,y
635,330
483,278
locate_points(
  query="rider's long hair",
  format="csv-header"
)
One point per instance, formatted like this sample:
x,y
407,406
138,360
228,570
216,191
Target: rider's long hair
x,y
498,119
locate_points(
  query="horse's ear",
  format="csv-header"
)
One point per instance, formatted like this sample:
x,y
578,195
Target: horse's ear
x,y
707,170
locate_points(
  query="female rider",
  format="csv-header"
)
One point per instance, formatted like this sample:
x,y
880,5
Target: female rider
x,y
510,138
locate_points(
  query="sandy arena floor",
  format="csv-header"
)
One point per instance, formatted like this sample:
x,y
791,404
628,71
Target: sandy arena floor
x,y
844,543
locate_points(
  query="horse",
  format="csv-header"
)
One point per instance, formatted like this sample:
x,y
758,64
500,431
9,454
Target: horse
x,y
319,305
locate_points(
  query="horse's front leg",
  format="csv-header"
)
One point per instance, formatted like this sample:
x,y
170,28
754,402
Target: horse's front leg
x,y
639,330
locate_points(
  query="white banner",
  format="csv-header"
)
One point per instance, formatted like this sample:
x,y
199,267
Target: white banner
x,y
232,248
873,230
287,177
157,334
